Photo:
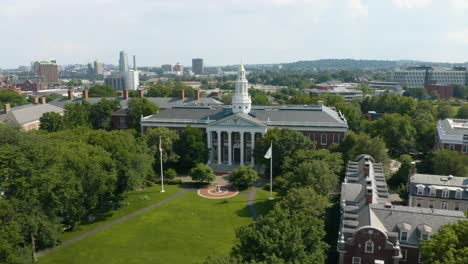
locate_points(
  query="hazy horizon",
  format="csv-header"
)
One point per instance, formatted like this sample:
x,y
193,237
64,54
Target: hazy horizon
x,y
230,32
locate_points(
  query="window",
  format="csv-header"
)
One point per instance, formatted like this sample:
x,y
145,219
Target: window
x,y
465,137
465,148
312,136
456,207
433,192
420,190
451,147
123,122
323,139
430,204
336,138
458,195
404,236
403,254
424,236
369,247
445,193
418,204
443,205
356,260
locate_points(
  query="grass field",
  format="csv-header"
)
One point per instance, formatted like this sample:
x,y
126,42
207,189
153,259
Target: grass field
x,y
185,230
133,201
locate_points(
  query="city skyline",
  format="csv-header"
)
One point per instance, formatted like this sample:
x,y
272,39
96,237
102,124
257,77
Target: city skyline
x,y
228,32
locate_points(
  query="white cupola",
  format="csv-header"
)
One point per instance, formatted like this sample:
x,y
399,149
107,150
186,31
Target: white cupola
x,y
241,101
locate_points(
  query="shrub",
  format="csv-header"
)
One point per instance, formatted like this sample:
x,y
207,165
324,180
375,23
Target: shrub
x,y
174,182
170,174
244,176
202,173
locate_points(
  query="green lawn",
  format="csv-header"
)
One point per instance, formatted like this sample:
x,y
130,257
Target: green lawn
x,y
133,201
185,230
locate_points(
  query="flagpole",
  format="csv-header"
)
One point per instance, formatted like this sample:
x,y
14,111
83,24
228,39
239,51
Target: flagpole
x,y
160,158
271,172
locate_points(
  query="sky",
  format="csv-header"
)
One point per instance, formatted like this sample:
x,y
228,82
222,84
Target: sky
x,y
224,32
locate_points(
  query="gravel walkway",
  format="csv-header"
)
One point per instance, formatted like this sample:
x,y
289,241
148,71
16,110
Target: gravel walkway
x,y
117,221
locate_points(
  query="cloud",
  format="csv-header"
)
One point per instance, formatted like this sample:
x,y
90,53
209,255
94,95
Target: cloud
x,y
358,8
460,36
411,4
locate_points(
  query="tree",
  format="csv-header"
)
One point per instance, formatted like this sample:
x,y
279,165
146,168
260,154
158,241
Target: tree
x,y
168,140
170,174
102,91
292,232
357,144
76,115
285,143
191,148
10,96
463,112
424,121
51,122
202,173
447,162
138,107
159,90
100,114
401,176
243,176
352,113
397,131
447,246
444,110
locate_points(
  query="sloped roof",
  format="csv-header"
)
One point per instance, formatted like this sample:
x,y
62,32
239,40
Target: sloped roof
x,y
28,113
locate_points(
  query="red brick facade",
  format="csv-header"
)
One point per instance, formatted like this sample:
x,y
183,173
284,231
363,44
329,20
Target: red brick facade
x,y
444,91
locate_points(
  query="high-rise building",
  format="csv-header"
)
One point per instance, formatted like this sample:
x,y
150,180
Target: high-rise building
x,y
123,62
166,67
47,69
197,66
98,68
90,69
421,76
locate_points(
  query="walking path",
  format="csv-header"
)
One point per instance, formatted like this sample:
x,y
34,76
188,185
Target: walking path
x,y
117,221
251,200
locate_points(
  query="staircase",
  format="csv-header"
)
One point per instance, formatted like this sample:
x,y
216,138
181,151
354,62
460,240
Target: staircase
x,y
222,168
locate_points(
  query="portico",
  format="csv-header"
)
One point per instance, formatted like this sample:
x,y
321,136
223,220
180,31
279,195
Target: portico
x,y
232,140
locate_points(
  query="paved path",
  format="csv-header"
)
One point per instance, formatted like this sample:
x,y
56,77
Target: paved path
x,y
251,200
117,221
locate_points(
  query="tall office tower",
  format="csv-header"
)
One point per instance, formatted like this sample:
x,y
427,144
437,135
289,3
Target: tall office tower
x,y
47,69
134,63
98,68
166,67
123,62
90,69
197,66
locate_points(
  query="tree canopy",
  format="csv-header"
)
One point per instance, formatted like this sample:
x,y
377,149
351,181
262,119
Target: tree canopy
x,y
102,91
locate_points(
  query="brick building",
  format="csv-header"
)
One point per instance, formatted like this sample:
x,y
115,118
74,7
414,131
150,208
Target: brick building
x,y
231,131
372,230
443,91
48,70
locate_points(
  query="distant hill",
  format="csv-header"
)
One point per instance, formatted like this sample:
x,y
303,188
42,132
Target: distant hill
x,y
343,64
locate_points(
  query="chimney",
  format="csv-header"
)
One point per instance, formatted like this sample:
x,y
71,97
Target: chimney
x,y
7,108
369,194
43,100
134,63
36,100
125,94
413,168
85,95
182,94
197,94
366,169
70,94
141,93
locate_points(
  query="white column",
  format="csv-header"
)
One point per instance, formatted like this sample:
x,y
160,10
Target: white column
x,y
241,148
210,149
252,145
229,148
219,146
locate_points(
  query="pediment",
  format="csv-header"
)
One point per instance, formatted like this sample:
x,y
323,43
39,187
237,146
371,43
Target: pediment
x,y
238,120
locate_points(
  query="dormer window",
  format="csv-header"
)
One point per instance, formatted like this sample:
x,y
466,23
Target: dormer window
x,y
420,191
425,236
458,195
369,247
433,192
403,236
445,193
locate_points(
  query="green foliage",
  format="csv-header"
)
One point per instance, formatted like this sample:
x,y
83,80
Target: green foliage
x,y
397,131
170,174
138,107
463,112
100,114
259,97
290,233
202,173
191,148
51,122
389,103
424,121
76,115
9,96
418,93
447,246
170,89
285,143
102,91
447,162
357,144
244,176
352,113
168,139
401,176
444,110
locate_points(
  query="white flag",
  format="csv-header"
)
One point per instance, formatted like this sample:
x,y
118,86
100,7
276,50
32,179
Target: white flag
x,y
268,153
